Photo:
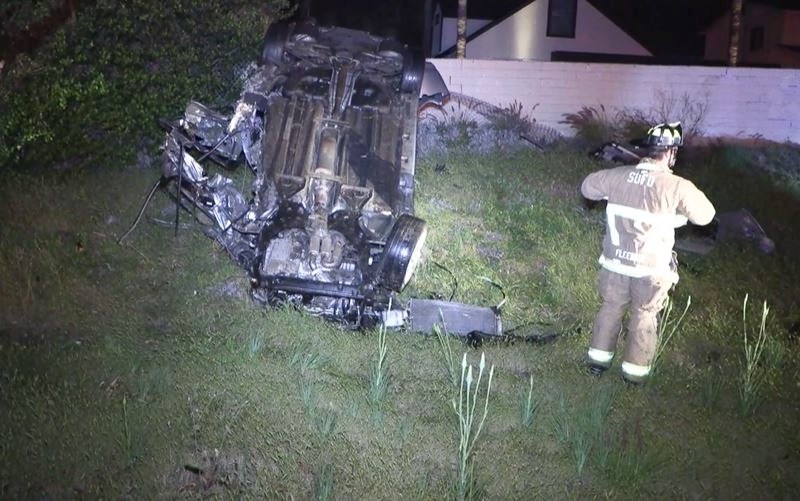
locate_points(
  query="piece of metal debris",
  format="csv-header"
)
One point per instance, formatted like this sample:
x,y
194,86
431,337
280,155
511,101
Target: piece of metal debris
x,y
614,152
739,225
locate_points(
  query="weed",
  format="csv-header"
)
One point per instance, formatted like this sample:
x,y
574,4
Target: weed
x,y
474,126
304,360
710,388
753,373
581,429
561,422
528,407
774,354
307,396
599,125
323,482
667,327
627,461
325,422
256,342
593,125
509,118
689,109
581,446
379,372
127,437
457,127
467,432
444,344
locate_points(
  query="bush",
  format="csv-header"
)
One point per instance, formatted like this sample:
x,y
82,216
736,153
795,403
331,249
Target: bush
x,y
598,125
474,126
94,90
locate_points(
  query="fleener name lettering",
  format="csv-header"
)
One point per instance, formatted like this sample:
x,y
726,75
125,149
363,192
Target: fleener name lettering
x,y
630,256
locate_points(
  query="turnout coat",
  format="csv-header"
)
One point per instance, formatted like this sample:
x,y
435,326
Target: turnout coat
x,y
646,203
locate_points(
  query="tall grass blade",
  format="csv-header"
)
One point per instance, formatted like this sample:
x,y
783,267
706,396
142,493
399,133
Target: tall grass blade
x,y
468,433
529,407
443,337
753,373
379,373
667,327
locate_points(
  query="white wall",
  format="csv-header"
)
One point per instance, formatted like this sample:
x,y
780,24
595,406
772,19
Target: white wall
x,y
742,102
524,36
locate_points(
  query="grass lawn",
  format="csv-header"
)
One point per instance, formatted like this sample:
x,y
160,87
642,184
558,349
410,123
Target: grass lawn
x,y
143,370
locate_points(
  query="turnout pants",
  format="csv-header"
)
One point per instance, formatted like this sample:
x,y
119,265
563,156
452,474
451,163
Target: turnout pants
x,y
644,297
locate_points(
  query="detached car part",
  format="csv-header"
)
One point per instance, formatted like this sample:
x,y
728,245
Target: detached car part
x,y
327,126
614,152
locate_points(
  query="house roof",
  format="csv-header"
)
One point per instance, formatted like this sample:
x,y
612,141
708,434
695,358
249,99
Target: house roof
x,y
484,9
666,29
509,8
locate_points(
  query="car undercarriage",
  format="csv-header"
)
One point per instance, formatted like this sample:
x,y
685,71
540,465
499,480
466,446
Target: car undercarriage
x,y
326,125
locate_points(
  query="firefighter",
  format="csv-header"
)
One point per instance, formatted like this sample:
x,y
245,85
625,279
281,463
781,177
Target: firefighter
x,y
646,202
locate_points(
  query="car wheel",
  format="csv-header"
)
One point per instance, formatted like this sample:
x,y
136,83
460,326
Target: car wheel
x,y
403,251
275,43
306,31
413,71
390,47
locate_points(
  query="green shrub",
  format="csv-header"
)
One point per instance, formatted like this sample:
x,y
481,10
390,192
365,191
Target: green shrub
x,y
92,92
599,125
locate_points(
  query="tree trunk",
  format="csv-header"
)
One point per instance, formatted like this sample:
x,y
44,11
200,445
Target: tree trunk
x,y
736,32
304,9
461,27
427,26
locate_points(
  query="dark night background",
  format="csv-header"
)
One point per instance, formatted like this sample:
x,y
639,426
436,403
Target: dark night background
x,y
668,28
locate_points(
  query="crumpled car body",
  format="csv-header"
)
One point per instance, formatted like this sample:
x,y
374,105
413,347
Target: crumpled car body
x,y
326,124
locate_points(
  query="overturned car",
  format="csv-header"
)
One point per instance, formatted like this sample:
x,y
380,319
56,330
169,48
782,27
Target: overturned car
x,y
327,126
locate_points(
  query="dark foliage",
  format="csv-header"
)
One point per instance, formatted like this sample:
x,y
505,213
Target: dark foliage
x,y
93,90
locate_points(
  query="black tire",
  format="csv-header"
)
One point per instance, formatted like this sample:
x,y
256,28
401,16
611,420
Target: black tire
x,y
391,46
306,30
413,71
402,252
275,43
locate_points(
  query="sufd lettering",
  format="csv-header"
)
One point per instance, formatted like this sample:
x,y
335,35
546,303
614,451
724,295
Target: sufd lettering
x,y
642,178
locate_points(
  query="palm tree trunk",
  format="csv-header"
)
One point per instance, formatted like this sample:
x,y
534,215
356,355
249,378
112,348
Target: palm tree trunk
x,y
461,30
304,9
736,32
426,28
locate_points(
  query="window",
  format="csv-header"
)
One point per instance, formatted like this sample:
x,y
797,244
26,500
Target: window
x,y
561,16
757,38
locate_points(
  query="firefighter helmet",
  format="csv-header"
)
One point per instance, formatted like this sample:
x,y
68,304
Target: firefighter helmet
x,y
665,135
